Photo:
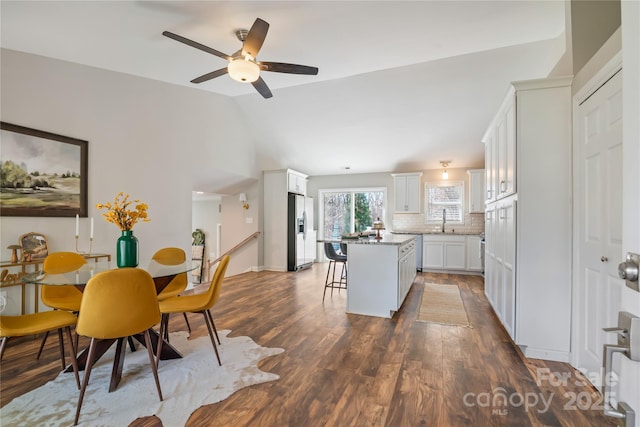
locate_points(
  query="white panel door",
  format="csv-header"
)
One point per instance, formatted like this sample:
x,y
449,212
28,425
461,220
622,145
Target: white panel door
x,y
599,161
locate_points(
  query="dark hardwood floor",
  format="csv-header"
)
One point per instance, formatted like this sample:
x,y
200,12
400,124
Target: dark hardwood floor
x,y
350,370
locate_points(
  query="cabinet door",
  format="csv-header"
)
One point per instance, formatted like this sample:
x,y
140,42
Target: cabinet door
x,y
476,190
508,220
509,164
400,188
490,265
413,193
296,184
490,166
503,264
506,146
407,193
433,255
454,255
474,263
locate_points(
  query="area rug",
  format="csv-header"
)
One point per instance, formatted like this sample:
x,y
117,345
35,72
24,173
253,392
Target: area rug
x,y
187,384
442,304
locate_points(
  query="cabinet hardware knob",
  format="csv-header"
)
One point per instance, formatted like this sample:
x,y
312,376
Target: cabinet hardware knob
x,y
604,258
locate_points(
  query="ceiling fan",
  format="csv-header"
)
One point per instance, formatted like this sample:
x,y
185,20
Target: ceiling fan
x,y
243,65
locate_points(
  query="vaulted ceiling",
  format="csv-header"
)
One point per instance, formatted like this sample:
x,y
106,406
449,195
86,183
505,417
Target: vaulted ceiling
x,y
402,85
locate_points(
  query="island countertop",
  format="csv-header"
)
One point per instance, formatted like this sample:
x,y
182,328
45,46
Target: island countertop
x,y
446,233
387,239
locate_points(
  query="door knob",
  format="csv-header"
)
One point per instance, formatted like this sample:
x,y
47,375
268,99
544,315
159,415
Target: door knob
x,y
604,258
628,270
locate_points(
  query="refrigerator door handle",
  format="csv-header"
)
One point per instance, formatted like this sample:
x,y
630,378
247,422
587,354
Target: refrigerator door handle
x,y
304,225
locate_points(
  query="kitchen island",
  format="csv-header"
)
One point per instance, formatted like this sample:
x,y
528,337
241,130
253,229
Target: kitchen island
x,y
380,274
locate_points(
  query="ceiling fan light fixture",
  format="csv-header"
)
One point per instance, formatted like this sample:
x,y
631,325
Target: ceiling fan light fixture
x,y
243,70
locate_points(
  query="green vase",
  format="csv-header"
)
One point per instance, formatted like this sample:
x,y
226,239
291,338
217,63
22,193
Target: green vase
x,y
127,250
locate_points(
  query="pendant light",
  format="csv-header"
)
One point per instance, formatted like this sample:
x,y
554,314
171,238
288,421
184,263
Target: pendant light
x,y
445,163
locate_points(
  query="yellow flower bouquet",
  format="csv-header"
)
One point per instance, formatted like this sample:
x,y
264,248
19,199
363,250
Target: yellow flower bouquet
x,y
119,214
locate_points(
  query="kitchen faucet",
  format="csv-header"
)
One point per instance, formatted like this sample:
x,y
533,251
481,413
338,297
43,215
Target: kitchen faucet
x,y
444,218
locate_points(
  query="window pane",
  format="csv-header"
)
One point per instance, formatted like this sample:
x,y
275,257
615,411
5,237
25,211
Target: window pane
x,y
444,199
348,212
337,215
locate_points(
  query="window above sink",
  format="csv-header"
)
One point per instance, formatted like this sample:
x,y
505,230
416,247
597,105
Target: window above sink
x,y
444,199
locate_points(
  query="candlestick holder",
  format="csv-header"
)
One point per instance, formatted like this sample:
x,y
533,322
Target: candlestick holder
x,y
90,245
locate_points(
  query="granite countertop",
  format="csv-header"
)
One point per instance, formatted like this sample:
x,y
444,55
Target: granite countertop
x,y
387,239
447,233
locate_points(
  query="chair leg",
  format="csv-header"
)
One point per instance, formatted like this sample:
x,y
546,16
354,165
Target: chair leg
x,y
74,359
326,281
132,345
333,277
87,373
187,322
152,361
61,343
163,325
214,326
44,340
3,345
213,340
166,326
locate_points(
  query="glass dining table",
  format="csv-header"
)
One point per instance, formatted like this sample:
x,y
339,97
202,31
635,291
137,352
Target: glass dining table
x,y
162,275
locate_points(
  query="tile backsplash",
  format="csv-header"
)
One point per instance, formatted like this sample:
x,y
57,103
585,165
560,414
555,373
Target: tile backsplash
x,y
473,224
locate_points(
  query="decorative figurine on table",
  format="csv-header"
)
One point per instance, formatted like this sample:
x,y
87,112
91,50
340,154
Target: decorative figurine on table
x,y
14,253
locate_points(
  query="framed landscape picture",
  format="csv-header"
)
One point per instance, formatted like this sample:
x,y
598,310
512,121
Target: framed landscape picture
x,y
41,173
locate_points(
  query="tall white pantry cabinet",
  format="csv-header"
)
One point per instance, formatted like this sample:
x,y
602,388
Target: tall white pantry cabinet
x,y
528,216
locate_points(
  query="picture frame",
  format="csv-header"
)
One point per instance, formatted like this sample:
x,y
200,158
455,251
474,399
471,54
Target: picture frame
x,y
34,246
43,174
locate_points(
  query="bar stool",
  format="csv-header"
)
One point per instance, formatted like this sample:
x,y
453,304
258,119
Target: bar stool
x,y
334,258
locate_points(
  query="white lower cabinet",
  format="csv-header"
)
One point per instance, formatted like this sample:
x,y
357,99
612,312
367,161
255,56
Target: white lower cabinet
x,y
406,269
500,260
451,252
474,262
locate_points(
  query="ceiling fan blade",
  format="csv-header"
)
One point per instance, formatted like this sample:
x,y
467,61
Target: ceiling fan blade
x,y
262,87
196,45
281,67
255,38
211,75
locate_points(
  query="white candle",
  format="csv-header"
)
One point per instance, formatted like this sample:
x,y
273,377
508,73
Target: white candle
x,y
91,234
77,225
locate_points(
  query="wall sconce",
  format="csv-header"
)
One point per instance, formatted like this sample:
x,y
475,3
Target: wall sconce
x,y
445,174
243,200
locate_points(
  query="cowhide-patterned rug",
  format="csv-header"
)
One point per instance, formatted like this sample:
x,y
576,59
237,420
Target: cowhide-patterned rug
x,y
187,384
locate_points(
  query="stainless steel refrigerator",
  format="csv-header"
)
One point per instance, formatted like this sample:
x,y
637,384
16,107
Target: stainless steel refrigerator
x,y
299,223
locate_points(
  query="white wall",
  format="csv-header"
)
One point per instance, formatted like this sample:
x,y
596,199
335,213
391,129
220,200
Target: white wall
x,y
206,216
150,139
237,225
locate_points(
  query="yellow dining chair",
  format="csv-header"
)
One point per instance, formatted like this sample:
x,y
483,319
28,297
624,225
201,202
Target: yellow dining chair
x,y
61,297
198,303
172,256
36,323
117,304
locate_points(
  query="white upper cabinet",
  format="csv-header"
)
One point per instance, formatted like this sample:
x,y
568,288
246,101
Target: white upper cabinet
x,y
407,192
476,190
500,151
297,183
